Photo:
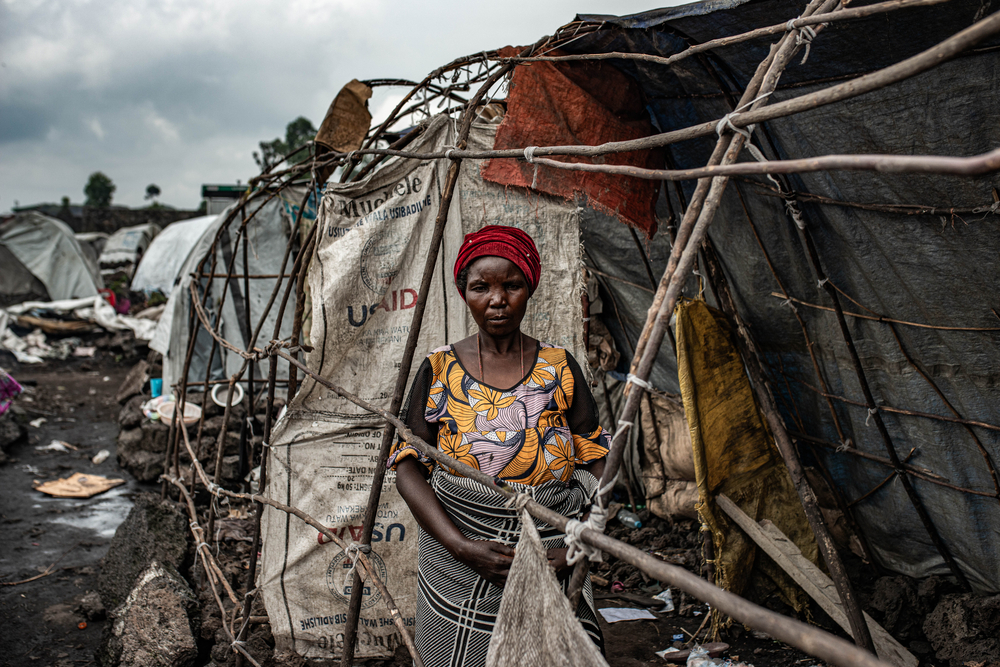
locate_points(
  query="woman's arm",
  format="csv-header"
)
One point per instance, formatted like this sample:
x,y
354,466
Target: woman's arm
x,y
491,560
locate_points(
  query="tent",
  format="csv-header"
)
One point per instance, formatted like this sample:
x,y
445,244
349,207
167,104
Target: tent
x,y
267,236
47,250
125,247
164,256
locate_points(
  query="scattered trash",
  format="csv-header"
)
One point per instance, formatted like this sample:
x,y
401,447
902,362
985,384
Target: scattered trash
x,y
82,625
156,387
9,388
667,599
617,587
31,470
37,423
84,351
705,651
697,613
57,446
78,485
100,457
106,379
149,408
629,519
678,638
616,614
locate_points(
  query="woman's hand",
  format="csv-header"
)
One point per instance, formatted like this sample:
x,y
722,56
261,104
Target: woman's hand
x,y
557,561
490,560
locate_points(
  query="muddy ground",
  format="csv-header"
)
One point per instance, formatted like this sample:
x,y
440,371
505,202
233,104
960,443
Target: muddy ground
x,y
53,621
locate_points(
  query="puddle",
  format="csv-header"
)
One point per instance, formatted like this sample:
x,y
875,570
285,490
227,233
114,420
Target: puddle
x,y
101,514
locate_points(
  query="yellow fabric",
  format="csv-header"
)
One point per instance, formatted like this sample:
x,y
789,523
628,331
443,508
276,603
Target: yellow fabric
x,y
735,454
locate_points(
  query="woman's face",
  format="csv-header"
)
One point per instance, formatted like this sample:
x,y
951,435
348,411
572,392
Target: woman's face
x,y
497,295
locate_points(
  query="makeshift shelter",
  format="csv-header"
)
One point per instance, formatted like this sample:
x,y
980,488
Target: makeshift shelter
x,y
125,247
161,262
92,244
45,249
256,263
772,368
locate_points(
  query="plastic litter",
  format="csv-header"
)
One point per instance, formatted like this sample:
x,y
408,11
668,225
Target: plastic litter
x,y
616,614
78,485
669,649
100,457
56,446
667,599
38,422
629,519
617,587
156,387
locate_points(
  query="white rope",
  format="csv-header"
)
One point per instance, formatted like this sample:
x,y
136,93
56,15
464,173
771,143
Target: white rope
x,y
353,551
820,283
638,381
622,427
871,412
529,154
792,207
805,36
448,152
577,549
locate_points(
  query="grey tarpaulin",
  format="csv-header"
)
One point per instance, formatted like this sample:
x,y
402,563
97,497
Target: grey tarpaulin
x,y
928,268
268,233
165,255
48,249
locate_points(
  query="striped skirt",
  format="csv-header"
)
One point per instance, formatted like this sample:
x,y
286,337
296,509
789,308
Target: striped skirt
x,y
456,608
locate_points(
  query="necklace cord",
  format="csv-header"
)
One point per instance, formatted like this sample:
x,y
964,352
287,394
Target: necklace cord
x,y
520,353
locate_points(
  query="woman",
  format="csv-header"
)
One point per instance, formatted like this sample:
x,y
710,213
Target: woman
x,y
514,408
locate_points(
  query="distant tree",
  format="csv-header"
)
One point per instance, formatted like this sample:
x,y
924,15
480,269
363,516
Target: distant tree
x,y
99,190
297,133
65,202
152,191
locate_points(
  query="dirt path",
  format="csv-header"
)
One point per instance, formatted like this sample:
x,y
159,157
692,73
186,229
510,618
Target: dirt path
x,y
40,619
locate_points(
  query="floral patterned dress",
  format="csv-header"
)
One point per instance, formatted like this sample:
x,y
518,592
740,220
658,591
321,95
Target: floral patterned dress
x,y
533,436
537,431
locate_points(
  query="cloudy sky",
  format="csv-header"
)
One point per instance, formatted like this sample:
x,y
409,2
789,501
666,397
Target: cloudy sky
x,y
179,92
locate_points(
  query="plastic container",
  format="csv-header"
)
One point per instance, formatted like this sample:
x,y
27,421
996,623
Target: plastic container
x,y
156,387
191,414
629,519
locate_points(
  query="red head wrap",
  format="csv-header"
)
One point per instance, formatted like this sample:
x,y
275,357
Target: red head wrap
x,y
500,241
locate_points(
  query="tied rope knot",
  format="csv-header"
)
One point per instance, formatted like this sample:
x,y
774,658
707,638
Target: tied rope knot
x,y
448,151
820,283
529,154
988,209
622,427
577,549
871,413
844,446
639,382
354,551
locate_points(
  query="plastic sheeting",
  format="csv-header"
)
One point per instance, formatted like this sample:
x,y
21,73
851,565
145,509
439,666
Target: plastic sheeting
x,y
48,249
162,261
267,233
126,245
921,268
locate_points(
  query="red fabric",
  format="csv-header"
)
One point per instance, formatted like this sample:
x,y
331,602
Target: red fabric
x,y
500,241
578,103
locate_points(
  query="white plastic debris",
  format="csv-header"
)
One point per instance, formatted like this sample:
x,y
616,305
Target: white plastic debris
x,y
100,457
37,423
56,446
667,599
